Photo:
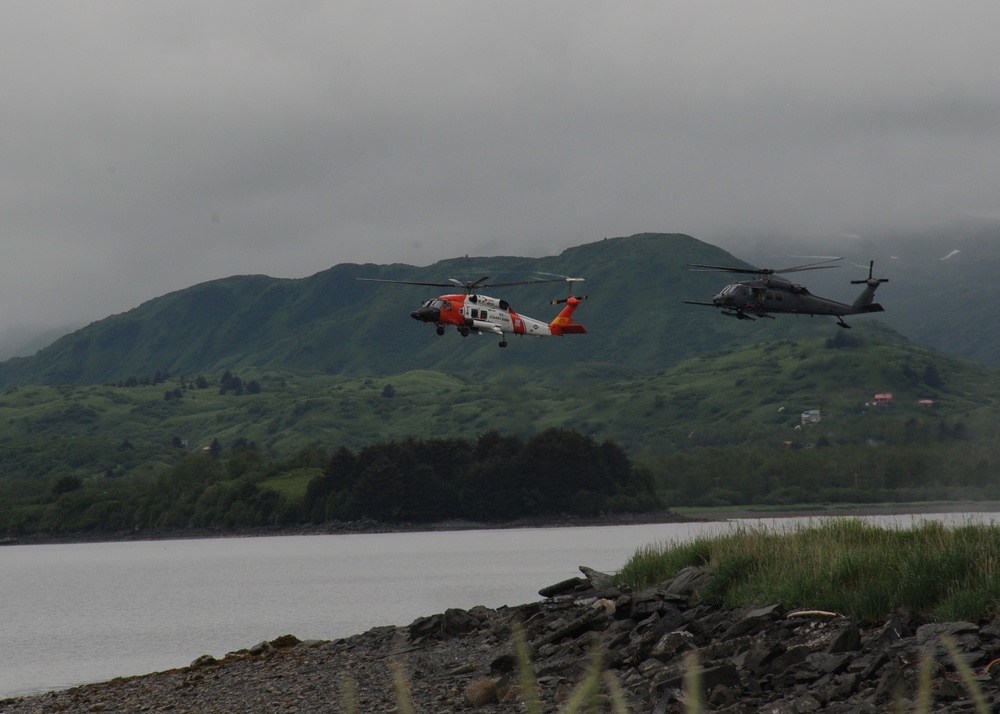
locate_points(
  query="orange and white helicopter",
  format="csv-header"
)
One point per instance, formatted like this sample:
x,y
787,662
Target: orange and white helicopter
x,y
473,312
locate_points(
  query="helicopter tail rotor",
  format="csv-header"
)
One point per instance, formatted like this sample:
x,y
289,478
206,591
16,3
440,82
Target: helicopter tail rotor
x,y
865,302
870,281
570,281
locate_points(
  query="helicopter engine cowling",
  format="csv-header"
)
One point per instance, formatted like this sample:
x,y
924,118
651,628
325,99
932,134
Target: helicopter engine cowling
x,y
481,326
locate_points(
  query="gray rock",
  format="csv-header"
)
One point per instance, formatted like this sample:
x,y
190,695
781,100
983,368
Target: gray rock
x,y
457,622
848,639
754,621
689,581
205,661
596,579
562,587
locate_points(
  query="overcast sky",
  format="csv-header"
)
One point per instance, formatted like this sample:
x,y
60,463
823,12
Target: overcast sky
x,y
149,146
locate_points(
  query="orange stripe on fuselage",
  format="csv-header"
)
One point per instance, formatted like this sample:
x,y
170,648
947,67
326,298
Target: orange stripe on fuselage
x,y
516,321
453,315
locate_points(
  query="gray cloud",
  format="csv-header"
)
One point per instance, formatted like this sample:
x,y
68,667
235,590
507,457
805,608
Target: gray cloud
x,y
151,146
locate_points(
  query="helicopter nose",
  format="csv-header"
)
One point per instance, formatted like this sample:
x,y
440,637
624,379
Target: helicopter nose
x,y
426,314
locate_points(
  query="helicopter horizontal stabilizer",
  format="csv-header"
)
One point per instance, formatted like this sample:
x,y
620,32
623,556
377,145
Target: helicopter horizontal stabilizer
x,y
738,315
563,324
874,307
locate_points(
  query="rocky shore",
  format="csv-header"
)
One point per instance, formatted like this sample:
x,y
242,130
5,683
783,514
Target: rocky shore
x,y
760,659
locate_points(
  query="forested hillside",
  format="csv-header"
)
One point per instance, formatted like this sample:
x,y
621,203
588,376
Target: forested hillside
x,y
725,428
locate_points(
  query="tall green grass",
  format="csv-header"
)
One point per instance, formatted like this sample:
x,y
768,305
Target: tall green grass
x,y
858,569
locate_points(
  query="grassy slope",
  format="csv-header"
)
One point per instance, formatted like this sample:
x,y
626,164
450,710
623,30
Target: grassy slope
x,y
750,395
847,566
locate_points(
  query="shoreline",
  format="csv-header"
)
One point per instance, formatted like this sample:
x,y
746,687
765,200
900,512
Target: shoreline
x,y
369,526
753,658
358,527
858,510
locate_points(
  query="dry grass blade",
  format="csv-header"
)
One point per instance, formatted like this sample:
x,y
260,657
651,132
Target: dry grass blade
x,y
967,676
402,686
618,704
348,695
692,684
923,703
585,696
526,676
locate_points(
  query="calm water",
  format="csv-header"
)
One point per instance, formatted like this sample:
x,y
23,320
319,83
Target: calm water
x,y
71,614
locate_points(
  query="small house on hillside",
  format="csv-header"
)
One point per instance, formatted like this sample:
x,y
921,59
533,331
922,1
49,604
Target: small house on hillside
x,y
883,400
810,416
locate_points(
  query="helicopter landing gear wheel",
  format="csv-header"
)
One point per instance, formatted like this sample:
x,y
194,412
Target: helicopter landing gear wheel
x,y
503,344
463,331
440,330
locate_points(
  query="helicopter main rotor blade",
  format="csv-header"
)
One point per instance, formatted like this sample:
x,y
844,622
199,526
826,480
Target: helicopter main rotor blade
x,y
810,266
702,268
532,282
405,282
470,286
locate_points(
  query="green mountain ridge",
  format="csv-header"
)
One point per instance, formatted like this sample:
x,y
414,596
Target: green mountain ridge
x,y
332,323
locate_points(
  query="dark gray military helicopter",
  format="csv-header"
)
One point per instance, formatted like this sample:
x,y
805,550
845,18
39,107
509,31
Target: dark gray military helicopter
x,y
767,293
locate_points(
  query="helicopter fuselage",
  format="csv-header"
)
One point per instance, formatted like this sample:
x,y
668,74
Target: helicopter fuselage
x,y
484,314
768,293
475,312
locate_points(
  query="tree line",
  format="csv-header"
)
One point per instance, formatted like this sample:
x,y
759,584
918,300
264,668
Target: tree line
x,y
493,478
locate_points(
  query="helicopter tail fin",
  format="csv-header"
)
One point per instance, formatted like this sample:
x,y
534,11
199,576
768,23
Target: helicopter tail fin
x,y
866,300
563,324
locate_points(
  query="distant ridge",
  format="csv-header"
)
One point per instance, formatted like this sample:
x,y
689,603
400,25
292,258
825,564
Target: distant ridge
x,y
332,323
